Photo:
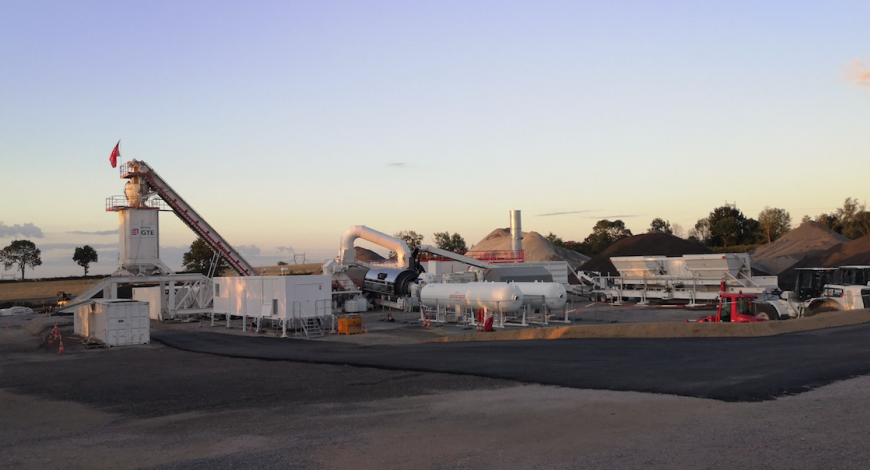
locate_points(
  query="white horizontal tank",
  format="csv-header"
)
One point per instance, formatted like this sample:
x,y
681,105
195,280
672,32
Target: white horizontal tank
x,y
491,296
535,294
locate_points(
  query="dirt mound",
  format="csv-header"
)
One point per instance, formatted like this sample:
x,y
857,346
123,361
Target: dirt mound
x,y
647,244
364,254
536,247
853,252
806,240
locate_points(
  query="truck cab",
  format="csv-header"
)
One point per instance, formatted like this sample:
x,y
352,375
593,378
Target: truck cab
x,y
735,308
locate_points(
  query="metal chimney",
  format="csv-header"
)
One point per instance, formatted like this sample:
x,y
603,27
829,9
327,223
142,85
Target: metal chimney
x,y
516,231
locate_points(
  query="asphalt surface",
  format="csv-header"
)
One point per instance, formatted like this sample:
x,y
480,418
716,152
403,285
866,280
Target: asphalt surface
x,y
727,369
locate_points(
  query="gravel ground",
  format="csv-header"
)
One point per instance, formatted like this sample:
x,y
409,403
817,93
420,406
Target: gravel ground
x,y
156,407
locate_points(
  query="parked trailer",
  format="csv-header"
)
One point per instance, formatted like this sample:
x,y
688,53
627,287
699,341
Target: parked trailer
x,y
693,279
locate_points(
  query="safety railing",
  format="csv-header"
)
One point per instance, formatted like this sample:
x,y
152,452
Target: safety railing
x,y
118,203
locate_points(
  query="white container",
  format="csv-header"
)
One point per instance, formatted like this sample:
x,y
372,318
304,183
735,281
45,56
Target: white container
x,y
278,297
114,322
536,294
491,296
154,297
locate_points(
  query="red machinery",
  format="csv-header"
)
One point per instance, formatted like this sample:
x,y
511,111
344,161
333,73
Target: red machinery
x,y
735,308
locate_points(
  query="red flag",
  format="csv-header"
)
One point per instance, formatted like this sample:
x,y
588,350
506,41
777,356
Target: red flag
x,y
115,154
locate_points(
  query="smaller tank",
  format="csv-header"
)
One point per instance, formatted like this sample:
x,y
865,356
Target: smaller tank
x,y
492,296
536,294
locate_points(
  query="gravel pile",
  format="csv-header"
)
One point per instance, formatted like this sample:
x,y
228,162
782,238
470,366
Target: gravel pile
x,y
647,244
536,247
808,239
849,253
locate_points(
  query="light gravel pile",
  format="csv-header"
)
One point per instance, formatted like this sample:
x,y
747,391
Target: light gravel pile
x,y
536,247
808,239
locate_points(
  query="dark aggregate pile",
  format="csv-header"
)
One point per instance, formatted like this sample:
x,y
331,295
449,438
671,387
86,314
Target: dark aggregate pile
x,y
647,244
850,253
364,254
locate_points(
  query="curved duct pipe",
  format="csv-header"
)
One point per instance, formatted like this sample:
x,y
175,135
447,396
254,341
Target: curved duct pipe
x,y
348,254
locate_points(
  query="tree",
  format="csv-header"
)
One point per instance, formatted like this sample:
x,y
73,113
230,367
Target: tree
x,y
806,219
84,256
410,237
555,239
774,222
661,225
701,232
854,218
24,253
678,230
729,227
831,221
604,234
454,243
198,259
282,263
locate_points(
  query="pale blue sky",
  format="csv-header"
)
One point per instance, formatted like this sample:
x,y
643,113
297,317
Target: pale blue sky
x,y
282,122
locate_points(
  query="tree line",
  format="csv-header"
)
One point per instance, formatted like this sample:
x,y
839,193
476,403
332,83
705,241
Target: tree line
x,y
24,254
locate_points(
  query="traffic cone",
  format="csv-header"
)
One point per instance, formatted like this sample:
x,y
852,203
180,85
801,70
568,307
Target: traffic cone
x,y
60,349
252,326
366,328
390,317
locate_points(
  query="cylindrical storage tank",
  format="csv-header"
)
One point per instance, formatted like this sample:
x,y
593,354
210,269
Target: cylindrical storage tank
x,y
535,294
492,296
389,281
516,231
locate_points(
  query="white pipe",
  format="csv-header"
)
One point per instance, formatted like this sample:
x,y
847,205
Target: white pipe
x,y
348,254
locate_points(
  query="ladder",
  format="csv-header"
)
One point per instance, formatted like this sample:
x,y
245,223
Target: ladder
x,y
189,216
312,327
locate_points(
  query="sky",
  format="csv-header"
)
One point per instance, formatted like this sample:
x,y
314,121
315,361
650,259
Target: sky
x,y
283,123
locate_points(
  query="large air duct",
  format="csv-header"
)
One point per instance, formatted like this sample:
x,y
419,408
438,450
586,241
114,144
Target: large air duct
x,y
516,231
348,255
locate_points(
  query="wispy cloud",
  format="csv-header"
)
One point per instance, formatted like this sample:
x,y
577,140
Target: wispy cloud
x,y
26,230
71,246
399,165
857,73
564,213
98,232
288,249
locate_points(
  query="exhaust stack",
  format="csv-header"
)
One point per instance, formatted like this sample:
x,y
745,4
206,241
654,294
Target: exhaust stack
x,y
516,231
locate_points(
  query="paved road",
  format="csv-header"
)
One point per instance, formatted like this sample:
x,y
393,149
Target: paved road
x,y
728,369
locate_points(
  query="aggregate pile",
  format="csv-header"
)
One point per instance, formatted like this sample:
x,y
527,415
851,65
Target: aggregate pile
x,y
366,255
849,253
808,239
647,244
535,246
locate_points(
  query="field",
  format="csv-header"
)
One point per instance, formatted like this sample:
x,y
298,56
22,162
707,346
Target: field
x,y
37,290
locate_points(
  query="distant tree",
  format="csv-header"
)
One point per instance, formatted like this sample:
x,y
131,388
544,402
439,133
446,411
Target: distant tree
x,y
831,221
678,230
84,256
729,227
604,234
806,219
198,259
701,232
661,225
282,263
854,218
454,243
410,237
774,223
24,253
555,239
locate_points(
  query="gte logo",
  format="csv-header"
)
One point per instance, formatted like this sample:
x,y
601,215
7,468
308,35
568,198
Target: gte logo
x,y
147,232
134,232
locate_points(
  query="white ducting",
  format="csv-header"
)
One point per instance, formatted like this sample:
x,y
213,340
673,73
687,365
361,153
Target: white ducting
x,y
348,255
516,231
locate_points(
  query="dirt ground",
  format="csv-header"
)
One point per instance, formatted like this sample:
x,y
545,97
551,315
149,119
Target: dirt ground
x,y
27,290
157,407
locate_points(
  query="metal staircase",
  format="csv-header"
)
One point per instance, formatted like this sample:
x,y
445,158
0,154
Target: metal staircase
x,y
312,327
189,216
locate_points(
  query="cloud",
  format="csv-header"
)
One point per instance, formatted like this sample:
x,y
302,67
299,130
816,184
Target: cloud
x,y
399,165
857,73
72,246
98,232
26,230
564,213
288,249
248,250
